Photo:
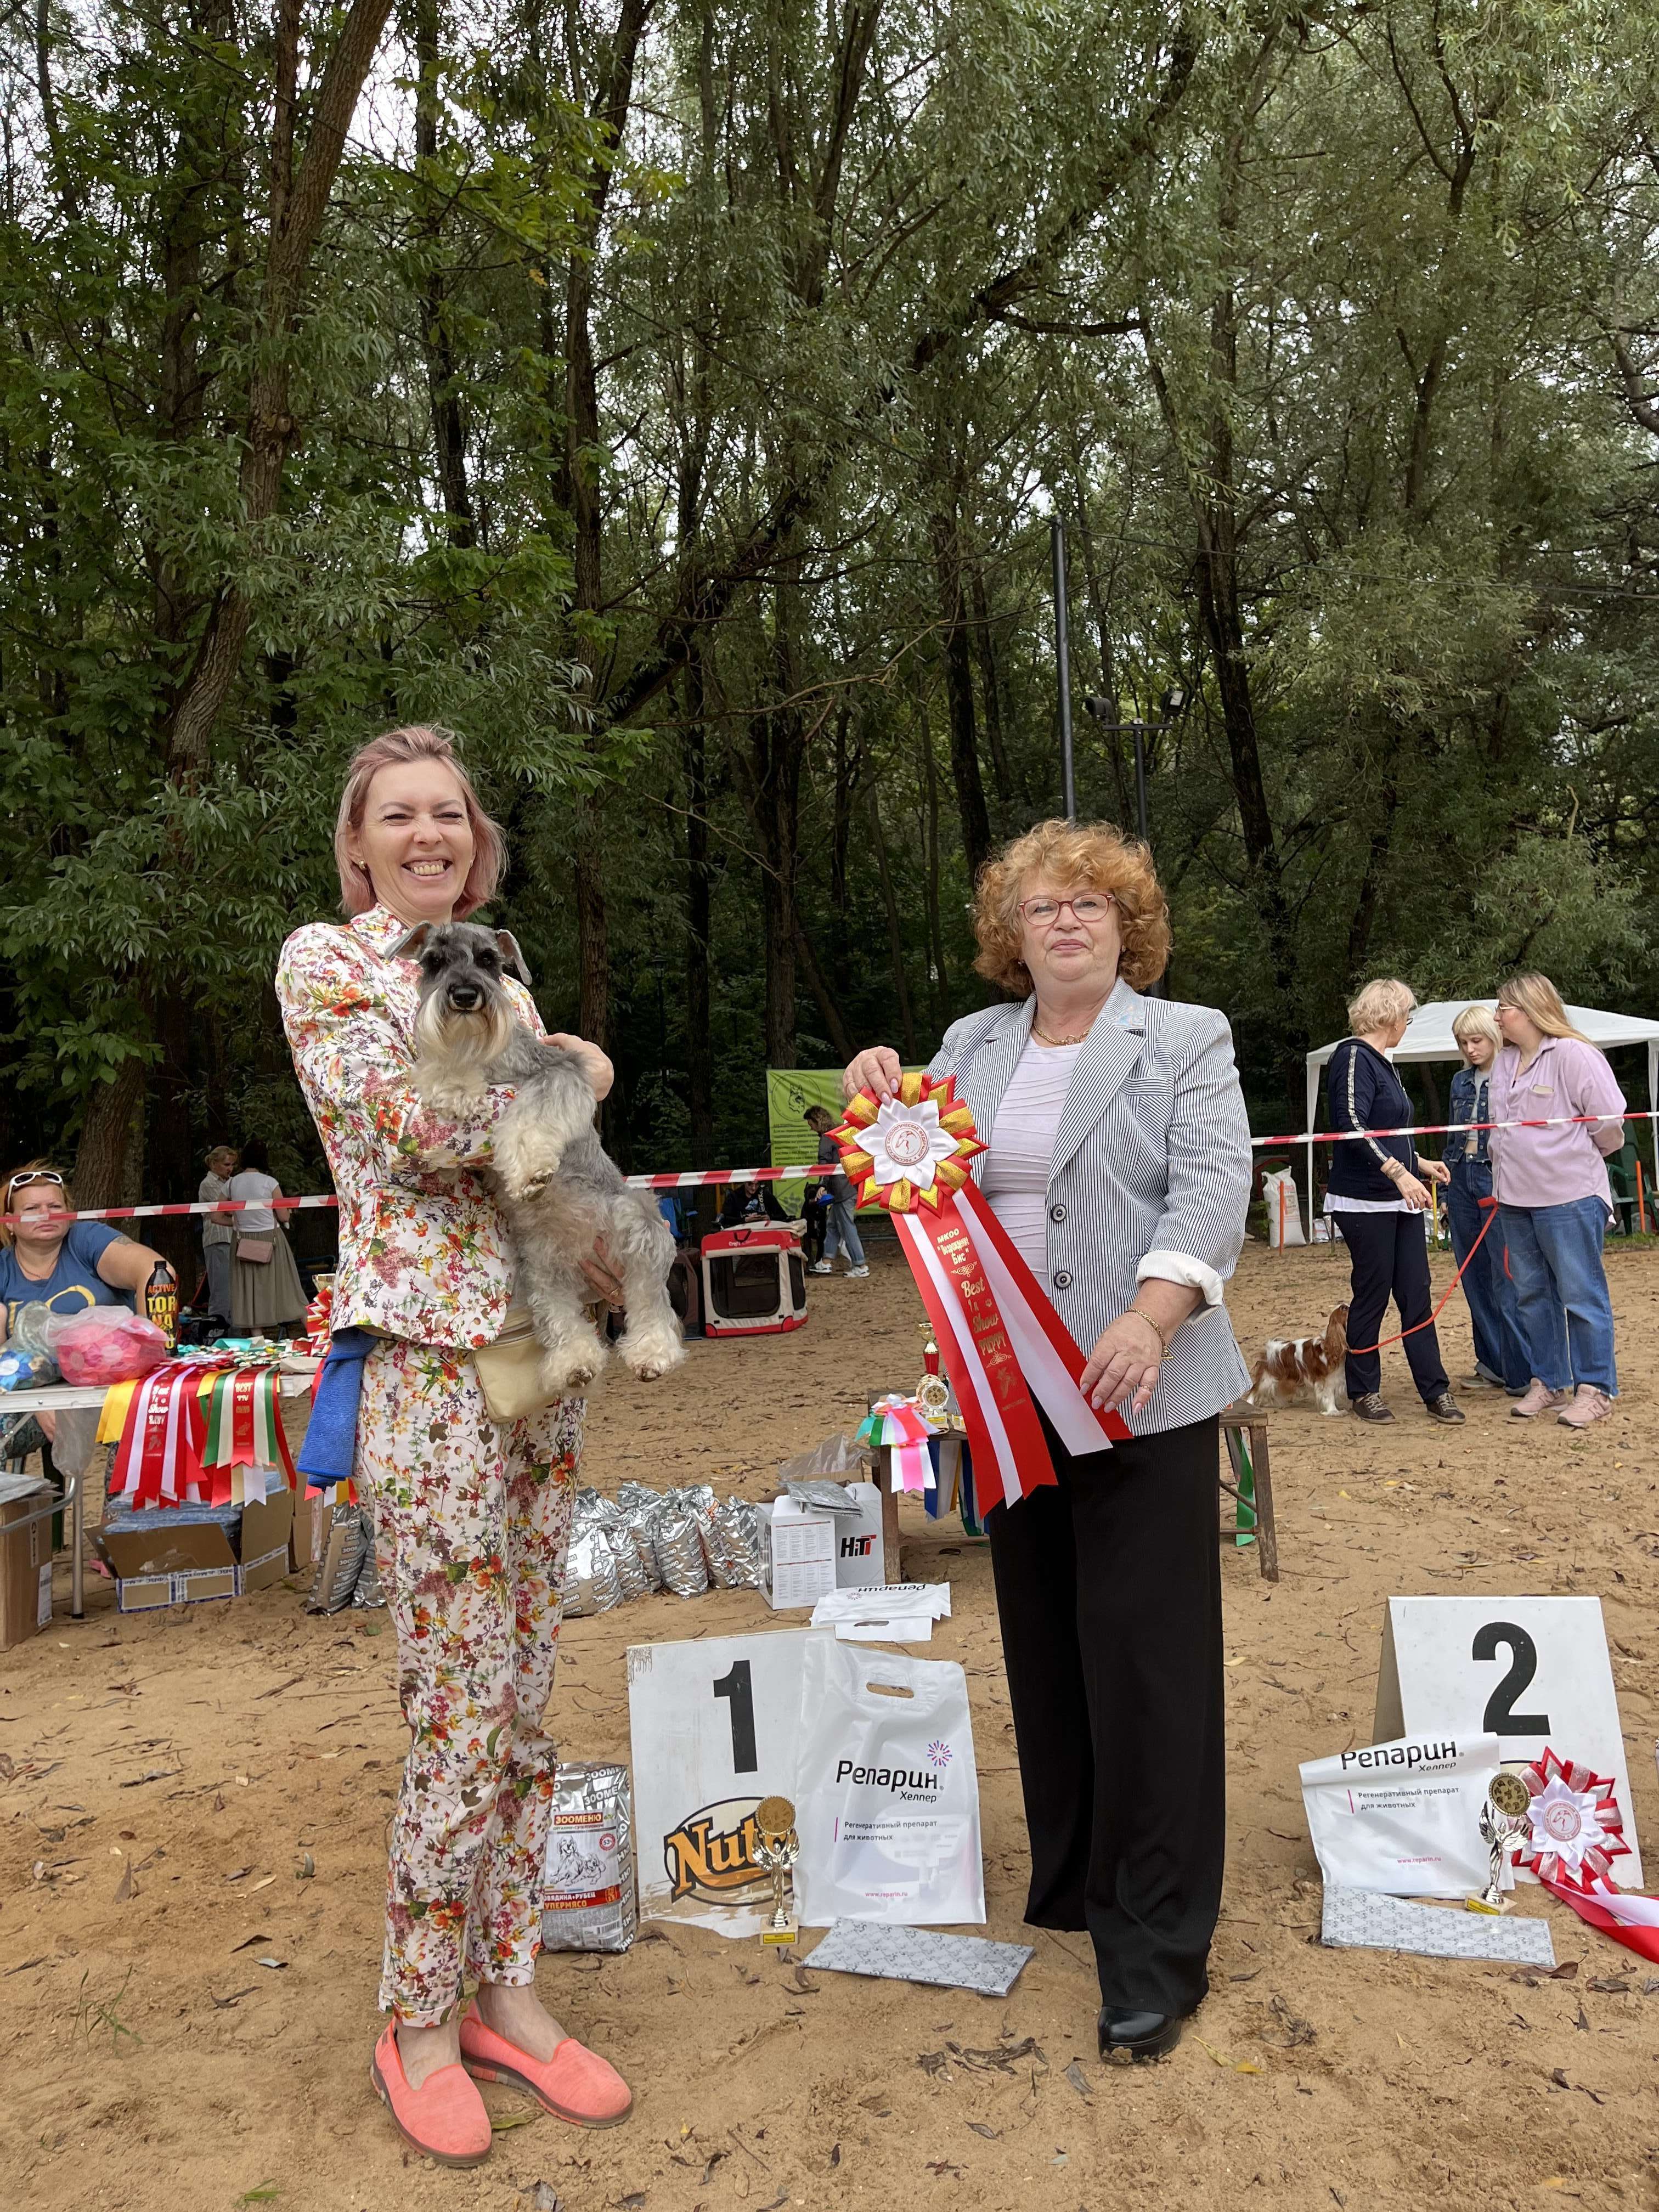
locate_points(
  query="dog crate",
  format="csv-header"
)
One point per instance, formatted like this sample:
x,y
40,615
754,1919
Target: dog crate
x,y
754,1283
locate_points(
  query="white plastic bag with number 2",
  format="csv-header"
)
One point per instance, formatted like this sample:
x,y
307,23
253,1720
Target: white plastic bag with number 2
x,y
888,1805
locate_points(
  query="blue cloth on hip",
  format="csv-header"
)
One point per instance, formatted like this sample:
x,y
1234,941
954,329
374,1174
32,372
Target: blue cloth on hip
x,y
331,1442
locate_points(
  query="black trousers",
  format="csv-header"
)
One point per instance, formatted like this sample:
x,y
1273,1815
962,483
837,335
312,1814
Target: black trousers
x,y
1390,1258
1110,1592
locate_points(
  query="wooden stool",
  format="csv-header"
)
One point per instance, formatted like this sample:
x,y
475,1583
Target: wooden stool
x,y
1246,1434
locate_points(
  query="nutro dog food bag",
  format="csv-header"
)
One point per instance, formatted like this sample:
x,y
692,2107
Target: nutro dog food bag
x,y
888,1814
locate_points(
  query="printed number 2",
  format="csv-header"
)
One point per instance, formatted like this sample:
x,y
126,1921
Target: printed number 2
x,y
1500,1717
737,1685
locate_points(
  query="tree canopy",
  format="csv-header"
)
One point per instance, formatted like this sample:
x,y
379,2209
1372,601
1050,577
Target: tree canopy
x,y
673,397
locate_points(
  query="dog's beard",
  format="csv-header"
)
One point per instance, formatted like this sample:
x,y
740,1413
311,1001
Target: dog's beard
x,y
453,1048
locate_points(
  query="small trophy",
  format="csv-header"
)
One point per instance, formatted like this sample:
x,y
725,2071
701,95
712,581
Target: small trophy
x,y
1502,1817
776,1848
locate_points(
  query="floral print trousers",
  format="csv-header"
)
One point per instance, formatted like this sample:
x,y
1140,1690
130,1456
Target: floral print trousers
x,y
472,1517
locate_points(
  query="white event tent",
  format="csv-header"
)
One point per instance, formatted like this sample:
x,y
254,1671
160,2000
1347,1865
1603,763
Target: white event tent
x,y
1429,1036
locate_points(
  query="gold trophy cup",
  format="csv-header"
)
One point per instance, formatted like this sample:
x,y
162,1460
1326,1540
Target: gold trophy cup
x,y
776,1848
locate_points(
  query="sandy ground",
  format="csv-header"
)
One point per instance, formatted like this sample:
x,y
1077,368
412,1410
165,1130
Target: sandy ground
x,y
165,1778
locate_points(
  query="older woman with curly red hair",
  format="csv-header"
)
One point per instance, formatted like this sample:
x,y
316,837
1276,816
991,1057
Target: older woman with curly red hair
x,y
1119,1162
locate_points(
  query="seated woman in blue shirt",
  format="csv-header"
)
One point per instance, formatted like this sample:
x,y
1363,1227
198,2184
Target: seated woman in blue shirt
x,y
66,1265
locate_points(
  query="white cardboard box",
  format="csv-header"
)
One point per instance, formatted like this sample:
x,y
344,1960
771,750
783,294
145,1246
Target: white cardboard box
x,y
798,1562
860,1558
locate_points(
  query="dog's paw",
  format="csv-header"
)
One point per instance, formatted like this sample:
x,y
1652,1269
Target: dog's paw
x,y
650,1357
572,1369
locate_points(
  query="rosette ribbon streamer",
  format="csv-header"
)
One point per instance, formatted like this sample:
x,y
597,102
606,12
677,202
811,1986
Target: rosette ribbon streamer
x,y
1002,1342
1575,1831
901,1427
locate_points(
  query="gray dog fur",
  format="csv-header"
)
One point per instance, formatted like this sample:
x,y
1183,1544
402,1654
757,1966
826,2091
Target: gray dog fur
x,y
558,1188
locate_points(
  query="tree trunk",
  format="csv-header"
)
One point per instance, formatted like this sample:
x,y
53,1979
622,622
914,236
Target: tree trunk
x,y
895,931
959,683
102,1161
443,371
985,652
699,908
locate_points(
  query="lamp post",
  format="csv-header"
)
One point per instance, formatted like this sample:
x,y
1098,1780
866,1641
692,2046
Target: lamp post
x,y
1168,706
1063,670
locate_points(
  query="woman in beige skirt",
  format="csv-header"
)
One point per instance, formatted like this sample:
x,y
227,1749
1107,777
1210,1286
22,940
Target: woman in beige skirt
x,y
266,1294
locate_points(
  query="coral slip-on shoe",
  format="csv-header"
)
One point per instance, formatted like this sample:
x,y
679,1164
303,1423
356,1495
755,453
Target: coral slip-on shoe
x,y
444,2119
574,2084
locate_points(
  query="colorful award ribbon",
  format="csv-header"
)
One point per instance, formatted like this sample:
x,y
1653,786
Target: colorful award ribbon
x,y
1574,1832
899,1425
1002,1341
209,1436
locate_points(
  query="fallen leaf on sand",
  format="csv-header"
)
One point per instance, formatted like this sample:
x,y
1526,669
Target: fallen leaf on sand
x,y
1074,2075
124,1888
276,1965
499,2126
542,2198
991,2135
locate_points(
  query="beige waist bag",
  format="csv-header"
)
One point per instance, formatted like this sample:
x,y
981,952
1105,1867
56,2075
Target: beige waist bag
x,y
509,1371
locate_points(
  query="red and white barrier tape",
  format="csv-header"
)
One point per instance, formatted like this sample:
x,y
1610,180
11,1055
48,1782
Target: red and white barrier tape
x,y
692,1179
697,1178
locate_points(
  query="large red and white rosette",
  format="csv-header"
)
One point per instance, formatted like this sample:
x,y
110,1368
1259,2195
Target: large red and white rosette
x,y
1575,1830
1003,1344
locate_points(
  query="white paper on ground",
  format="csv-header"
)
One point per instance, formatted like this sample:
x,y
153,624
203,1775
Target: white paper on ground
x,y
931,1600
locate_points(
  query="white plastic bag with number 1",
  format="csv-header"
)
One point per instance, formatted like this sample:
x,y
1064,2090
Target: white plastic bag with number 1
x,y
888,1794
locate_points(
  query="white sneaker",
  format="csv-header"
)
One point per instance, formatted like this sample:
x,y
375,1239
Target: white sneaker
x,y
856,1274
820,1267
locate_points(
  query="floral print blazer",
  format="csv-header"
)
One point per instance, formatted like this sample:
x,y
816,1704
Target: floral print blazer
x,y
424,1252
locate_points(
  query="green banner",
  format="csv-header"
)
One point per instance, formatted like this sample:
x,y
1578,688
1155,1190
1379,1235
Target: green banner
x,y
789,1092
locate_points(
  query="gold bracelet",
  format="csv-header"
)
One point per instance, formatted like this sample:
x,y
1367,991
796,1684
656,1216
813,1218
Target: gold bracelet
x,y
1141,1314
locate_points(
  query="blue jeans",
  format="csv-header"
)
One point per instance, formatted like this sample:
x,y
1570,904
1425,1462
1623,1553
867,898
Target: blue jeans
x,y
1500,1345
1561,1290
843,1232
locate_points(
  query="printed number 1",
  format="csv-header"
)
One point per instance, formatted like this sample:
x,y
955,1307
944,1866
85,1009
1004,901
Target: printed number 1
x,y
737,1685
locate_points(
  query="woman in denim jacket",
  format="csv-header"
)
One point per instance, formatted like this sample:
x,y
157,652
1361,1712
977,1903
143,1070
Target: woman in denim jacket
x,y
1501,1357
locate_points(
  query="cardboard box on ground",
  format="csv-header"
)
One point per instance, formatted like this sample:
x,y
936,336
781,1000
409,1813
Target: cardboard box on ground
x,y
25,1559
167,1556
807,1552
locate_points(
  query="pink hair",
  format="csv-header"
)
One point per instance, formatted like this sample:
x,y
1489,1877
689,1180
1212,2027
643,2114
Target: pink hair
x,y
394,749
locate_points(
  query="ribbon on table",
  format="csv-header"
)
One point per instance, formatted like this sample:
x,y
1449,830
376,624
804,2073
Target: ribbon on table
x,y
209,1436
1002,1342
900,1427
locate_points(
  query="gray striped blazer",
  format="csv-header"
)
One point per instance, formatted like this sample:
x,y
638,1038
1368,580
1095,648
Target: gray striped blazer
x,y
1149,1175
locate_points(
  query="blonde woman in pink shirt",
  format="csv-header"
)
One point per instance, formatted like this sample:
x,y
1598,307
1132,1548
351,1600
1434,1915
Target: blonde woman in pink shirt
x,y
1551,1186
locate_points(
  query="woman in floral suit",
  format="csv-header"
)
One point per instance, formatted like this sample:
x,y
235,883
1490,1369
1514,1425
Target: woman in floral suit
x,y
472,1515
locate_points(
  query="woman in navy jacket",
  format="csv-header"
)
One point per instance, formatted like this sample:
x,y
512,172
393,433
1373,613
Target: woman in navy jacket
x,y
1376,1197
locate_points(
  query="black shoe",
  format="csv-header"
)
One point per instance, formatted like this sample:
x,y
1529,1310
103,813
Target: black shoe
x,y
1445,1408
1372,1408
1126,2032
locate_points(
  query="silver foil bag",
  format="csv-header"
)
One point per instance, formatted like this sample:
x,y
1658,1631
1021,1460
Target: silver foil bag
x,y
630,1570
588,1900
677,1535
340,1561
366,1591
591,1584
733,1542
636,1502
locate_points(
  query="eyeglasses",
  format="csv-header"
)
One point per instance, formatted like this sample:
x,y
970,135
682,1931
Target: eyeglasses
x,y
1089,909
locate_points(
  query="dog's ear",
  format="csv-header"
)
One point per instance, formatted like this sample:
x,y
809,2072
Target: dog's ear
x,y
412,946
512,955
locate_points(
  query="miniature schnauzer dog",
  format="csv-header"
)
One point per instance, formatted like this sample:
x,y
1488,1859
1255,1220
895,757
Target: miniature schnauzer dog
x,y
558,1188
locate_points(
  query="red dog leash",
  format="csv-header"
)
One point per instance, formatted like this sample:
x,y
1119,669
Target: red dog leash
x,y
1490,1205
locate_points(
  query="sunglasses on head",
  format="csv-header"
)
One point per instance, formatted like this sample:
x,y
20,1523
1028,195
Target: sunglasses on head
x,y
32,1175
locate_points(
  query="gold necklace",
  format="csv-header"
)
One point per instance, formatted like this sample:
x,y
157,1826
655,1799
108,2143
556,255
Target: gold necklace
x,y
1047,1039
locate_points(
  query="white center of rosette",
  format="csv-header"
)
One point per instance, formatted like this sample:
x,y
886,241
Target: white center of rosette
x,y
1566,1823
906,1144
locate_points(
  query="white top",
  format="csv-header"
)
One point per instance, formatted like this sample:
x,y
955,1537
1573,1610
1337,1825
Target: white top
x,y
1016,1183
258,1220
